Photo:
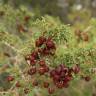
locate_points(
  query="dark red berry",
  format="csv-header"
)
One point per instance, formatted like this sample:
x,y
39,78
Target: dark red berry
x,y
40,50
76,69
35,83
28,57
32,71
26,18
62,74
67,79
42,63
87,78
62,66
41,70
58,70
38,43
10,78
42,39
46,68
50,44
56,77
35,54
65,70
52,73
32,57
18,84
46,51
46,84
32,61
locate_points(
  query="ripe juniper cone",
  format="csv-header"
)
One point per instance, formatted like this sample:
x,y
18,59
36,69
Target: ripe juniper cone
x,y
46,84
42,63
10,78
32,71
18,84
26,18
39,42
61,75
35,83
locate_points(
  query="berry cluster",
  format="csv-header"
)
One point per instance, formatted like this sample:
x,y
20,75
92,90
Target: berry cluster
x,y
61,75
44,47
47,45
36,56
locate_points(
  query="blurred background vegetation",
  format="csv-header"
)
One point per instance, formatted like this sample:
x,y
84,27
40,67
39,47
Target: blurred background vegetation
x,y
59,8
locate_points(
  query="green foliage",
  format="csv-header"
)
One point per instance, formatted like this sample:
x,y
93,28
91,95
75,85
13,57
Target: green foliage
x,y
19,43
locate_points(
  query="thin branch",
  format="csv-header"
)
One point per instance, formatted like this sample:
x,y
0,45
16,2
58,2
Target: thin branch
x,y
12,47
12,86
17,66
88,28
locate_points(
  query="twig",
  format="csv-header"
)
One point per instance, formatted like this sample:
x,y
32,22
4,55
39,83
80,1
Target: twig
x,y
12,47
12,86
88,28
16,65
